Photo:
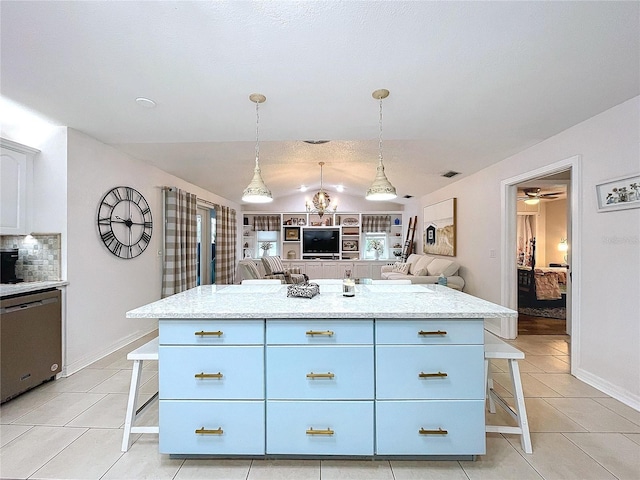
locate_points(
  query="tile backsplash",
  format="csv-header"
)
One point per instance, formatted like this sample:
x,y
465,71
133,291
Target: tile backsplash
x,y
39,255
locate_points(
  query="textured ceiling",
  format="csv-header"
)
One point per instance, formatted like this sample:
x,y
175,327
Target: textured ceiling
x,y
471,82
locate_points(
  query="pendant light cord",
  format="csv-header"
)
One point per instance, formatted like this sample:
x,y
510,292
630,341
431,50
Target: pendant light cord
x,y
380,137
257,123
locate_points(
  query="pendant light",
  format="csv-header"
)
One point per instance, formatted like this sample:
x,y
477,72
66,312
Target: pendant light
x,y
381,188
321,200
257,191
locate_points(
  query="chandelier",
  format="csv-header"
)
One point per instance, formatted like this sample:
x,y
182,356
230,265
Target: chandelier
x,y
257,191
381,188
321,200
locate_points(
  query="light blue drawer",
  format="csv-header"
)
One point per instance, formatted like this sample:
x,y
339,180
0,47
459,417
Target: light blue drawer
x,y
241,370
398,426
399,369
430,332
241,423
343,428
319,332
211,332
346,373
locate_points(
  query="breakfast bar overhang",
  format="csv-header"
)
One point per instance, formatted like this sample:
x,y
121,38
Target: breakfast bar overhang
x,y
395,371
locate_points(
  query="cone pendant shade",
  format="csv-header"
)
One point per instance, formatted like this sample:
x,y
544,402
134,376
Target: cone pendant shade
x,y
257,191
381,188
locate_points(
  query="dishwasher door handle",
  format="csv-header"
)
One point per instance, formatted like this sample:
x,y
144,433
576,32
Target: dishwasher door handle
x,y
25,306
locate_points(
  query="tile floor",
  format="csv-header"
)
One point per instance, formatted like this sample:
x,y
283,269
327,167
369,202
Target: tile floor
x,y
72,429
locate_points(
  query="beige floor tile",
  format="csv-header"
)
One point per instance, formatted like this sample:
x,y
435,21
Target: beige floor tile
x,y
151,384
564,358
427,470
537,348
196,469
501,462
620,408
543,417
567,385
633,436
284,470
81,381
25,403
121,363
614,451
593,416
121,382
88,457
109,412
557,458
356,470
549,363
11,432
531,386
31,450
60,410
144,462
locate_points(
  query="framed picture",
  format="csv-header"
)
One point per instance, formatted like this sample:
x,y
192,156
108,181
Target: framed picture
x,y
349,245
291,234
618,194
440,228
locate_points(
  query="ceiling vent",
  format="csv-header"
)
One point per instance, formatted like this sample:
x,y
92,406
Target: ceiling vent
x,y
450,174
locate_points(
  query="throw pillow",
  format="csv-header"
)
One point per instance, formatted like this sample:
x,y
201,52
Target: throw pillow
x,y
400,267
272,265
423,262
421,273
442,266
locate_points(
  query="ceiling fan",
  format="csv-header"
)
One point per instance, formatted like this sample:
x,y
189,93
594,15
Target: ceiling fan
x,y
534,195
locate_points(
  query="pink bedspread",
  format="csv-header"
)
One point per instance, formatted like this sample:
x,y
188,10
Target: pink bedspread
x,y
547,286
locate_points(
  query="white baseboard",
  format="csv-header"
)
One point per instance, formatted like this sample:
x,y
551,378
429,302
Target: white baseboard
x,y
78,365
614,391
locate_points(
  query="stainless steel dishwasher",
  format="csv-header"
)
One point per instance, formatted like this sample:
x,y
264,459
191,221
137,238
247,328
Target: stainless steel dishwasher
x,y
30,341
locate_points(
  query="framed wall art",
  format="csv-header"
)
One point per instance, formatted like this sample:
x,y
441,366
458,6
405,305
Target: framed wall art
x,y
349,245
291,234
439,236
618,194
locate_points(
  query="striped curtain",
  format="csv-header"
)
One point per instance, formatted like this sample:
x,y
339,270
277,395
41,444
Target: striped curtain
x,y
266,223
376,223
180,242
226,239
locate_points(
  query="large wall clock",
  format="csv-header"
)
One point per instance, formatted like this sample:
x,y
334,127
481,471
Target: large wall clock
x,y
124,222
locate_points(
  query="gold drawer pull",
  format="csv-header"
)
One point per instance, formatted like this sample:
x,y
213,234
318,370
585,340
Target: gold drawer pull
x,y
209,375
439,332
328,333
204,431
320,375
202,333
432,375
311,431
439,431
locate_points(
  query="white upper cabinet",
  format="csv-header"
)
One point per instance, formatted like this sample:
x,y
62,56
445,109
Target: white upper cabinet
x,y
16,177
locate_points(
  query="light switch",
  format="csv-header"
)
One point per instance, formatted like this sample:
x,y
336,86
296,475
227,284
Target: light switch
x,y
492,254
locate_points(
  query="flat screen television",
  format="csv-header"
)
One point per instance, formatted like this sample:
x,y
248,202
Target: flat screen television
x,y
320,241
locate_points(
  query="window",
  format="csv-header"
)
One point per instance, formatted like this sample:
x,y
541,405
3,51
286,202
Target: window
x,y
373,240
267,243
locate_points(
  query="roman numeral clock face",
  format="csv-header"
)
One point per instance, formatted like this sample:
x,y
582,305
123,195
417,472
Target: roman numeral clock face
x,y
124,222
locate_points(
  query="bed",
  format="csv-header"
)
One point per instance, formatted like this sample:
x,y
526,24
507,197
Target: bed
x,y
541,286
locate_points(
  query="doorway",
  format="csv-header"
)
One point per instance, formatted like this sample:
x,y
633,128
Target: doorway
x,y
507,328
542,254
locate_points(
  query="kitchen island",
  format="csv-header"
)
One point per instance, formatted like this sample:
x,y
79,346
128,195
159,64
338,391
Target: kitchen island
x,y
396,371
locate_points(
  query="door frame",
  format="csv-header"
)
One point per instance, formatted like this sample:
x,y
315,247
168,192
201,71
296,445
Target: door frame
x,y
509,288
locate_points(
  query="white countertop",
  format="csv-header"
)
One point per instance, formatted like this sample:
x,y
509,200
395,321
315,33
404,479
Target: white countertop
x,y
28,287
370,301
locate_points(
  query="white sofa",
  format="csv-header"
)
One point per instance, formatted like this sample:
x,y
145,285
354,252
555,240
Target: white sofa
x,y
425,269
